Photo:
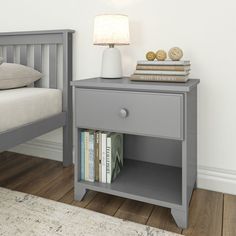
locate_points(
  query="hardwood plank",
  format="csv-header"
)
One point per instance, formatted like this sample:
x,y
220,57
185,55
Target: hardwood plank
x,y
138,212
68,198
205,215
16,169
106,204
31,174
161,218
57,188
43,178
229,216
7,160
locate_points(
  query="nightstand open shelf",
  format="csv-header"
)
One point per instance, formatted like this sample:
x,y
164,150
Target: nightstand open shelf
x,y
159,123
157,184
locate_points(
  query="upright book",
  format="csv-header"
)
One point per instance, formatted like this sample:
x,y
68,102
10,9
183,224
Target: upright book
x,y
82,155
100,157
91,157
114,155
104,157
86,155
96,155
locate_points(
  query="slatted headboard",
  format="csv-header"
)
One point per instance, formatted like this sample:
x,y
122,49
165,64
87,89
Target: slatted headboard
x,y
43,51
34,48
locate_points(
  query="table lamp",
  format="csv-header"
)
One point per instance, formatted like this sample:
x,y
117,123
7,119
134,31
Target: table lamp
x,y
111,30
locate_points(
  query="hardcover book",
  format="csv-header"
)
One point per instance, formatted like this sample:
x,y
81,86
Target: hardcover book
x,y
167,62
115,140
104,158
86,156
159,78
82,156
109,158
91,157
160,72
163,67
100,157
96,153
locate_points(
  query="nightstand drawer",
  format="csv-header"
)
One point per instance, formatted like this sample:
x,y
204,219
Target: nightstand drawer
x,y
150,114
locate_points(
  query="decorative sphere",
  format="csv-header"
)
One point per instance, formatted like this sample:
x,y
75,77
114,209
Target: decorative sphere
x,y
161,55
151,56
175,54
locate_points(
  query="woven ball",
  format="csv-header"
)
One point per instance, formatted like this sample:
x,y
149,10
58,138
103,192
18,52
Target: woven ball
x,y
161,55
151,56
175,54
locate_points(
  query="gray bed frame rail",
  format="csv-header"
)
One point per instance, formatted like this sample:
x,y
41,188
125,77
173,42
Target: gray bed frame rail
x,y
38,39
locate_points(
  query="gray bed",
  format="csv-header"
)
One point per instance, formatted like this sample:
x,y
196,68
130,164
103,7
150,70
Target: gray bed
x,y
33,42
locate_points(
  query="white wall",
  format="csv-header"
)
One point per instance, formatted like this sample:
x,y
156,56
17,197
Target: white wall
x,y
205,30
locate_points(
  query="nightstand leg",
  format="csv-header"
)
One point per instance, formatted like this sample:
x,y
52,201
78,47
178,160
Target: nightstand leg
x,y
79,192
180,217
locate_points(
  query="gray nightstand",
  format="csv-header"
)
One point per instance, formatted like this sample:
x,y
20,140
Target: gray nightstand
x,y
159,121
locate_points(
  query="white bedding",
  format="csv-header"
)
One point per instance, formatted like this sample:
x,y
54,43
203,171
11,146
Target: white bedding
x,y
25,105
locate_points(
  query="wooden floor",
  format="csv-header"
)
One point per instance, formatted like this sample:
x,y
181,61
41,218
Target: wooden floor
x,y
211,213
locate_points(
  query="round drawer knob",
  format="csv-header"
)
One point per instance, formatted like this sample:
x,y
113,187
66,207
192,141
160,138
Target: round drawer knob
x,y
123,113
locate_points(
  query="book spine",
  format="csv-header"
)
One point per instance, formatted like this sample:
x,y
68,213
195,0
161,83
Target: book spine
x,y
82,155
96,149
160,72
164,67
161,78
108,154
91,157
104,154
100,157
86,159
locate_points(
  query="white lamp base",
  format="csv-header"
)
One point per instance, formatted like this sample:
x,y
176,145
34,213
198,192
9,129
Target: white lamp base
x,y
111,64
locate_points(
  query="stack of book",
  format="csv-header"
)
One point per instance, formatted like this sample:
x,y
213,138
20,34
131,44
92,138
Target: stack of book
x,y
165,71
101,155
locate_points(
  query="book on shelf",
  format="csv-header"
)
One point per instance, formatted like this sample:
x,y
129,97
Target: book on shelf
x,y
96,154
166,62
104,157
108,159
160,78
91,167
163,67
86,156
101,156
82,155
115,156
160,72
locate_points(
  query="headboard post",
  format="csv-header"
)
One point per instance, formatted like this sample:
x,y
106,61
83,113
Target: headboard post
x,y
67,94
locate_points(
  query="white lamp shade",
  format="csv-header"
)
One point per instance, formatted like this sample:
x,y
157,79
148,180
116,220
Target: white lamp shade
x,y
111,29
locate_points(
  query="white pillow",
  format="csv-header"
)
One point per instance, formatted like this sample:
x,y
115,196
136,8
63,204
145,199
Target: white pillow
x,y
1,60
15,75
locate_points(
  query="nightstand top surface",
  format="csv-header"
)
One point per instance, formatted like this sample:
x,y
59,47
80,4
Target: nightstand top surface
x,y
128,85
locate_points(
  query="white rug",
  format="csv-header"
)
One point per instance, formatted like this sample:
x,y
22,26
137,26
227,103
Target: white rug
x,y
27,215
